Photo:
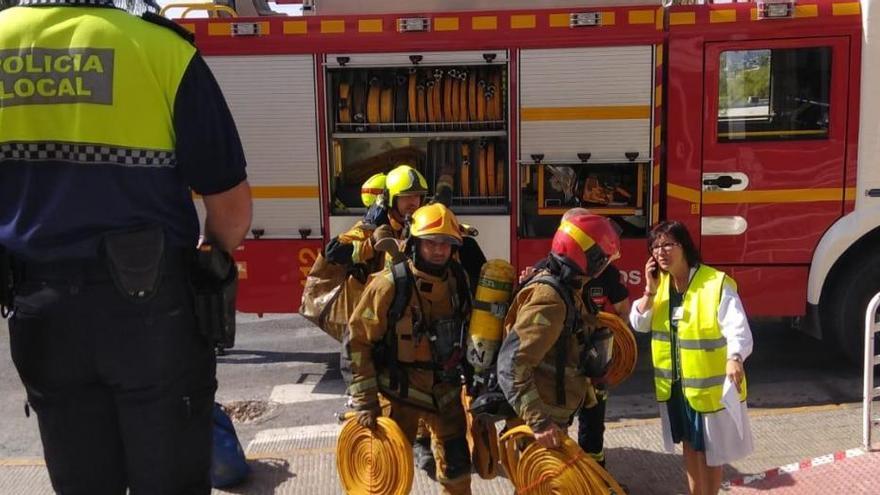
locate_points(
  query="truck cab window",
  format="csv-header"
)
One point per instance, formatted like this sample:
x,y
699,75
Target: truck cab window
x,y
774,94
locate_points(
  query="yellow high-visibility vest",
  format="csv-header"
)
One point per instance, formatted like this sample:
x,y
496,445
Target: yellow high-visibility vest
x,y
701,349
77,76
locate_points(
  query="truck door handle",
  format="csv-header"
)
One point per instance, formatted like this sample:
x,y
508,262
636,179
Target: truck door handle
x,y
722,182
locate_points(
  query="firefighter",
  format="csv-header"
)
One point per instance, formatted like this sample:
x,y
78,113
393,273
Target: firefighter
x,y
604,293
108,124
607,293
405,188
407,336
554,342
390,200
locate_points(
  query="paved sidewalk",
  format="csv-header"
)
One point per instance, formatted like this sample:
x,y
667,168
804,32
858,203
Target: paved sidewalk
x,y
858,475
302,461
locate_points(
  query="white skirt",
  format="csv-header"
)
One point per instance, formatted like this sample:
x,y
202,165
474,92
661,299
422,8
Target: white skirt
x,y
722,439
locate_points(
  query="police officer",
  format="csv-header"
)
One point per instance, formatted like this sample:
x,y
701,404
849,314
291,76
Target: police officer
x,y
421,344
108,124
554,342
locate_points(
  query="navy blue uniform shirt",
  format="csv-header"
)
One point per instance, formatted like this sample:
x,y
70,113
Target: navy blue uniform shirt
x,y
59,210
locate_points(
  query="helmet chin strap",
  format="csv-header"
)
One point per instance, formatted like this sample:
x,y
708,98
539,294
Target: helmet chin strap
x,y
568,272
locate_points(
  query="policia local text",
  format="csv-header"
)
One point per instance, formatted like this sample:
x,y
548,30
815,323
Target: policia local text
x,y
56,76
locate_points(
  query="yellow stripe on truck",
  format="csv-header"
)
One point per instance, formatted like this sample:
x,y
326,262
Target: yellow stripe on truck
x,y
535,114
760,196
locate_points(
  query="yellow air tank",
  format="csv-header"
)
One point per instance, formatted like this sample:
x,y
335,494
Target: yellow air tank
x,y
494,291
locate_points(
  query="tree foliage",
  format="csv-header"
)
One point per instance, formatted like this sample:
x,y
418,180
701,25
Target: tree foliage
x,y
743,82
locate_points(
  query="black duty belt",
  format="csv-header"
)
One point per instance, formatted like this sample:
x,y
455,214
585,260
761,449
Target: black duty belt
x,y
91,270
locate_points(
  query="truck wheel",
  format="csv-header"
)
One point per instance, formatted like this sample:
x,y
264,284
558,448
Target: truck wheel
x,y
844,315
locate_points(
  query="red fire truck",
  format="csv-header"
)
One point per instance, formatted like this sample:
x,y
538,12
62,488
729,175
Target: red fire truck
x,y
755,124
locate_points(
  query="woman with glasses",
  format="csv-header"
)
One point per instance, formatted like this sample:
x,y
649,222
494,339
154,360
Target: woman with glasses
x,y
699,339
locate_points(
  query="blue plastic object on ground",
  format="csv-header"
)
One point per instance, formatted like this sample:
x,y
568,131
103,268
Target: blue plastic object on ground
x,y
228,466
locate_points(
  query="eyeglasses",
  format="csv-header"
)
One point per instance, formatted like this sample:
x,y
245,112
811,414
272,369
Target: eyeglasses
x,y
666,246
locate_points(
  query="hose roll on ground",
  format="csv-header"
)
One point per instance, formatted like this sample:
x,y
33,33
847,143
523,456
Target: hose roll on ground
x,y
374,462
536,470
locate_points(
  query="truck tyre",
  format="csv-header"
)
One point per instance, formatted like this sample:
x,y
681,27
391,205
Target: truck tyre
x,y
844,313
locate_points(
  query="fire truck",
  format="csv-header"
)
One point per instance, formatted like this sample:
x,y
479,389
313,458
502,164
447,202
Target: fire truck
x,y
754,124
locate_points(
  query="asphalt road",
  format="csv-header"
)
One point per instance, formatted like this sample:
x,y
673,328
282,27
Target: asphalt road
x,y
284,362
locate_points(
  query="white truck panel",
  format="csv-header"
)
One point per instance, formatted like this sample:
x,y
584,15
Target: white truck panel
x,y
277,120
604,80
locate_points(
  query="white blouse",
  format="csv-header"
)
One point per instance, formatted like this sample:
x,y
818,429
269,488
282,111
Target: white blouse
x,y
722,437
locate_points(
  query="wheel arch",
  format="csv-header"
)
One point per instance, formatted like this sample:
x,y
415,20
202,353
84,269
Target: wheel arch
x,y
848,239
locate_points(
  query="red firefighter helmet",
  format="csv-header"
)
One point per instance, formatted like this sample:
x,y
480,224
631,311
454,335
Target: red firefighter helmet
x,y
589,241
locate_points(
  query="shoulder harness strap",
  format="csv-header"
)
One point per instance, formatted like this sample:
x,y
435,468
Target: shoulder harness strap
x,y
462,288
569,324
402,292
465,305
402,285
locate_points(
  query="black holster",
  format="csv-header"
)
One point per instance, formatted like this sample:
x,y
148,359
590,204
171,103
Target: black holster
x,y
215,282
6,283
136,261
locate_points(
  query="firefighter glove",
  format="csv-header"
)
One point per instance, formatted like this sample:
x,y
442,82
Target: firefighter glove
x,y
367,417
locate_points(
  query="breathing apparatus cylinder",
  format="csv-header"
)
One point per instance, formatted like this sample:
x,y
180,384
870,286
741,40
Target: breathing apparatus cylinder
x,y
494,291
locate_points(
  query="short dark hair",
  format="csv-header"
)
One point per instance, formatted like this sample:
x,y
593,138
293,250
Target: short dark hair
x,y
679,233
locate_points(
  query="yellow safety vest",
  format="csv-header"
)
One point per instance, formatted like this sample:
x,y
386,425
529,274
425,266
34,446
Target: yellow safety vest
x,y
77,75
701,349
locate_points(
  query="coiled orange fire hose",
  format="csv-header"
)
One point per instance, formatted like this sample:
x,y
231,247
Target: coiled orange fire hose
x,y
534,469
625,353
374,462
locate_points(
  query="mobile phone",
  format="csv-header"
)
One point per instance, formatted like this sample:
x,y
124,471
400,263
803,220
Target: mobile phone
x,y
656,271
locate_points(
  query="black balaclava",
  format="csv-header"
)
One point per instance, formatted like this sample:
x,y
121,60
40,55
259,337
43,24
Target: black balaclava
x,y
424,265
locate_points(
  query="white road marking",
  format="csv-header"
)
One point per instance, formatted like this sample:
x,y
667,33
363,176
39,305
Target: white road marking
x,y
294,393
308,431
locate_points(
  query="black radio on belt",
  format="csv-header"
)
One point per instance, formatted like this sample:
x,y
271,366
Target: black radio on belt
x,y
215,281
5,282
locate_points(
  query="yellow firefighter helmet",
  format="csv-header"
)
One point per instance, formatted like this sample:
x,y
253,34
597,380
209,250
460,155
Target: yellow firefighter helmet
x,y
437,223
405,181
372,189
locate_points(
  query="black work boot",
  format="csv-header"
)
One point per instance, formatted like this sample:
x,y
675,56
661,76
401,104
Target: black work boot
x,y
424,456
